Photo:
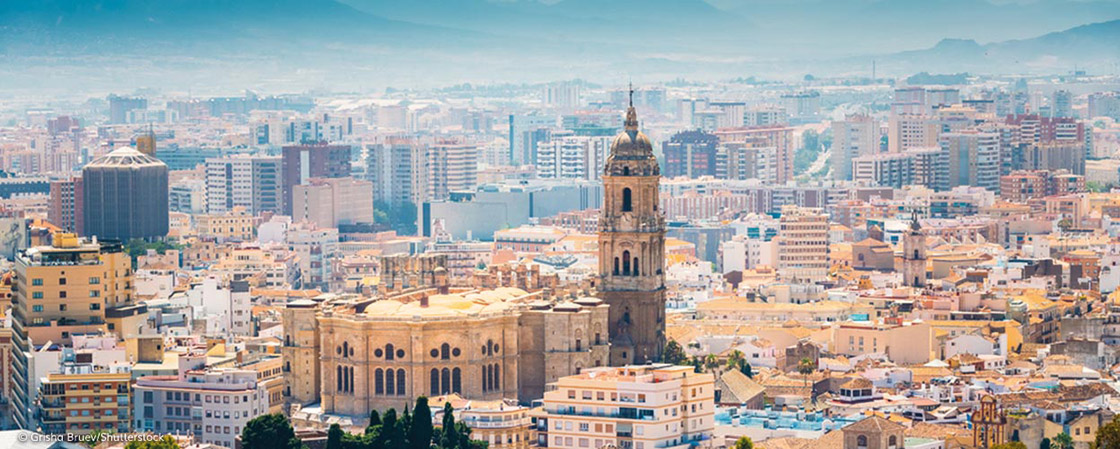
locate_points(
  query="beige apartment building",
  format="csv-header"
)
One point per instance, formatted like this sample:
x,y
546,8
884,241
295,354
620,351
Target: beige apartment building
x,y
639,406
803,244
905,343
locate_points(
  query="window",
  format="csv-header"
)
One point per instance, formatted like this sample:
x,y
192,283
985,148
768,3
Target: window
x,y
861,441
626,197
36,295
94,280
36,308
445,351
94,293
37,282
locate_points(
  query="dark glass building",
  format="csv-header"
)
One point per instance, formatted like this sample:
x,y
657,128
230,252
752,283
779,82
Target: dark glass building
x,y
125,196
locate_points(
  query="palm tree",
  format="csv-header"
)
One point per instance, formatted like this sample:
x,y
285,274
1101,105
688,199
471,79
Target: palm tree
x,y
735,358
1062,441
711,362
805,367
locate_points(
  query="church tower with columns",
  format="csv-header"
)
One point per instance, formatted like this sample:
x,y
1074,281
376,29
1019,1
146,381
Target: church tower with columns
x,y
632,247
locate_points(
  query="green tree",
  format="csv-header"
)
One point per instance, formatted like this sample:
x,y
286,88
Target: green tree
x,y
1045,444
805,367
674,353
735,358
744,443
449,433
1062,441
271,431
1108,436
389,434
420,435
374,421
166,442
746,369
334,437
711,362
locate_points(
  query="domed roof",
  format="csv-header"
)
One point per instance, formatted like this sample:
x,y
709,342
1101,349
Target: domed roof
x,y
631,151
123,157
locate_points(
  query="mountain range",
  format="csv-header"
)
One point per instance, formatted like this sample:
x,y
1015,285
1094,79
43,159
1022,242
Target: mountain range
x,y
361,44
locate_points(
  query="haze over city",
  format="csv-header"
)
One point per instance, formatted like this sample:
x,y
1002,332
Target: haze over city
x,y
570,224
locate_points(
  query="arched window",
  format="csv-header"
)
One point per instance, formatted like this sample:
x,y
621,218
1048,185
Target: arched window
x,y
445,351
378,382
892,442
625,171
497,377
626,262
616,266
389,351
390,383
433,382
626,199
345,349
861,441
485,383
579,345
916,254
445,380
338,377
635,271
456,381
400,382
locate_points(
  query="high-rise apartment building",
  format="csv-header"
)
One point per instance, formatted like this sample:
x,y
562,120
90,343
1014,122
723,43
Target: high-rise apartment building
x,y
1061,103
802,244
691,154
316,248
747,160
82,398
66,204
250,182
906,131
780,138
125,196
969,158
59,291
395,168
450,167
855,136
119,107
330,202
647,406
303,162
885,169
572,157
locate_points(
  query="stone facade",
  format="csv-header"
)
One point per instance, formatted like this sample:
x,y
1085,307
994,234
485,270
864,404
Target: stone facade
x,y
480,344
632,248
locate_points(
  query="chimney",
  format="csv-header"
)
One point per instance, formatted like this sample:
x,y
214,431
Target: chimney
x,y
424,301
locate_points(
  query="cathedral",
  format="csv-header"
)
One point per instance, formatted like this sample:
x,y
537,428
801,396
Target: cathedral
x,y
632,248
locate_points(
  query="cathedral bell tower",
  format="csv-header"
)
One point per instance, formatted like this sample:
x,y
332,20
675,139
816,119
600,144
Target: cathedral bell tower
x,y
632,247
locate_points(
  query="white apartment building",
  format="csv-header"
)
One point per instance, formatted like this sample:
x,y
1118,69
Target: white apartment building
x,y
633,407
212,405
853,137
573,157
224,306
252,182
314,249
885,169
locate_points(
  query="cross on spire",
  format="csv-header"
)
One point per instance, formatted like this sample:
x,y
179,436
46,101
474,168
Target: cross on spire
x,y
631,93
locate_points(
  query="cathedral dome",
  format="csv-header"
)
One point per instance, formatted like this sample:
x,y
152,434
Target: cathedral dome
x,y
631,151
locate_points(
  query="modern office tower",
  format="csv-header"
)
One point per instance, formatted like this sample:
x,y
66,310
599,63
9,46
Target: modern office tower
x,y
66,207
331,202
450,167
119,107
853,137
125,196
802,106
905,131
691,154
316,249
780,138
744,160
59,291
1061,103
572,157
250,182
632,248
885,169
525,132
802,244
627,407
212,405
563,95
303,162
81,398
969,158
396,170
